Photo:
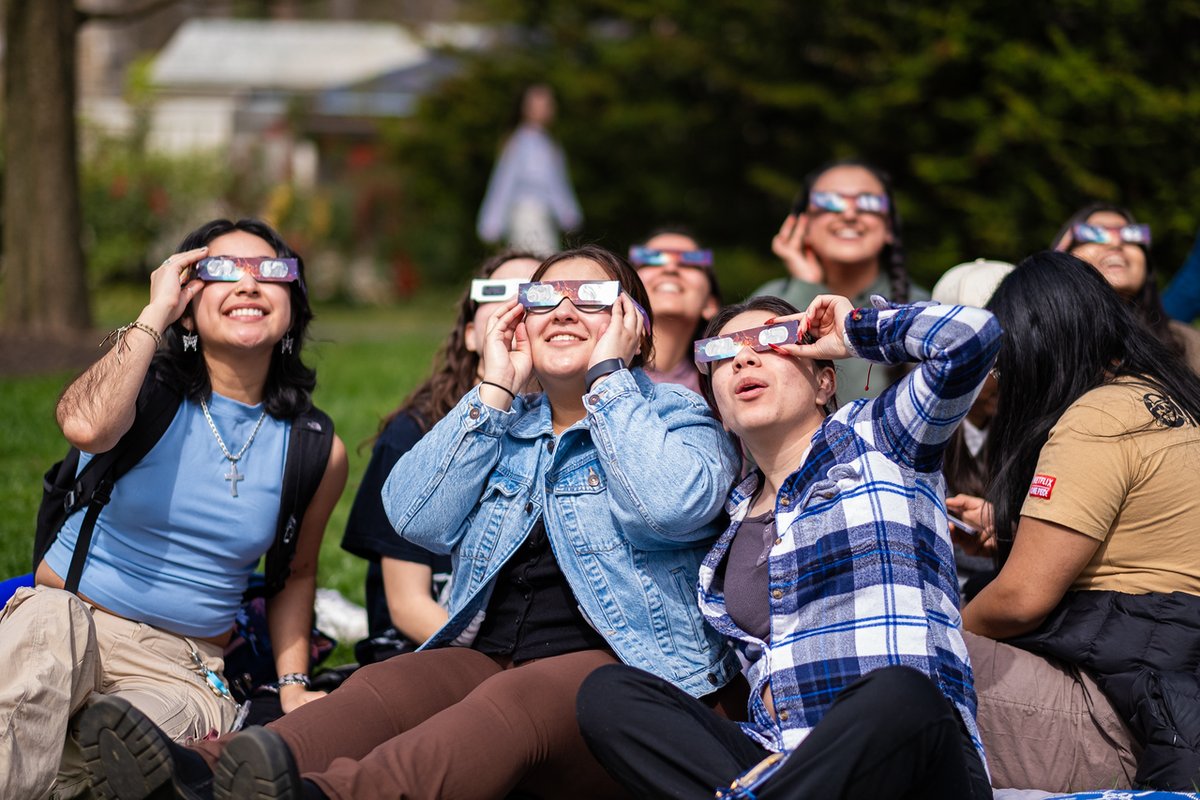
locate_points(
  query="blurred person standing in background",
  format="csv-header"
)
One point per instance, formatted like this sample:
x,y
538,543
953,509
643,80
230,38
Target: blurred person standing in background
x,y
529,197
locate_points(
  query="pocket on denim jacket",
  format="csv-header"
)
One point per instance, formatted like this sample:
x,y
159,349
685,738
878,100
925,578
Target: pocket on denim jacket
x,y
499,499
580,497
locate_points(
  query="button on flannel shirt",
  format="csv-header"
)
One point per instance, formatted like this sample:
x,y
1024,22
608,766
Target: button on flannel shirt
x,y
863,575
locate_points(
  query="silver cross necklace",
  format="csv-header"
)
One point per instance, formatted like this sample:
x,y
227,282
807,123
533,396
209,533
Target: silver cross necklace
x,y
233,476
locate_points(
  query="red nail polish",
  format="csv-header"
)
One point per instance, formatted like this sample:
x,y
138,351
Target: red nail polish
x,y
770,321
778,349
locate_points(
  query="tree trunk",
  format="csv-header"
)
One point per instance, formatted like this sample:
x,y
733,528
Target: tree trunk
x,y
45,282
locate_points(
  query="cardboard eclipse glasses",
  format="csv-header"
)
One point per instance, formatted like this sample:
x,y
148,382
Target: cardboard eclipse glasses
x,y
588,297
727,345
650,257
495,290
543,297
836,203
261,268
1084,233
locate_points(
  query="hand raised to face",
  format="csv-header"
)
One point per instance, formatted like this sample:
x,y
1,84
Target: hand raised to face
x,y
504,358
825,321
623,337
172,286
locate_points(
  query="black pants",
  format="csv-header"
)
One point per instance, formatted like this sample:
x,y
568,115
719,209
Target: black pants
x,y
891,734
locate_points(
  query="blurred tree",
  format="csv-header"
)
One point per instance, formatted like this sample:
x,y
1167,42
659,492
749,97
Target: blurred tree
x,y
996,120
45,283
45,290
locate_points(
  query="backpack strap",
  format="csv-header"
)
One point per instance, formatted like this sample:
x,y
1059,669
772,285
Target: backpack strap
x,y
157,406
309,445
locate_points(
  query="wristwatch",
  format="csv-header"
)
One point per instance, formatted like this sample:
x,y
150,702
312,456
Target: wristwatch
x,y
602,368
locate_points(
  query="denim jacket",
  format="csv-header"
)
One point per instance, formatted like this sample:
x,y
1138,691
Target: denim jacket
x,y
630,496
862,573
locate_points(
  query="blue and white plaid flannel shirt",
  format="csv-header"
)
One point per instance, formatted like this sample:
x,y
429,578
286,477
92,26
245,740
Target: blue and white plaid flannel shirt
x,y
862,574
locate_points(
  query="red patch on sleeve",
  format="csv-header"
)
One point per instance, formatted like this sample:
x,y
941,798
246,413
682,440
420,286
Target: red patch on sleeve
x,y
1042,486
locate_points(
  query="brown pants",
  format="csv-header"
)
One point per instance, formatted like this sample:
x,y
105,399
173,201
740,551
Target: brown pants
x,y
1045,724
447,723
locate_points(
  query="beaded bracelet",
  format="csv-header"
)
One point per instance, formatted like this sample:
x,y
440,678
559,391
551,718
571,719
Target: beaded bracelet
x,y
294,679
119,334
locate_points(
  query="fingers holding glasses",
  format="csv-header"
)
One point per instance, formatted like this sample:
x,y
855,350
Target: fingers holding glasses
x,y
623,337
172,286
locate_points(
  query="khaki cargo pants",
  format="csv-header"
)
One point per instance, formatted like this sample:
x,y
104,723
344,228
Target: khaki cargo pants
x,y
55,651
1045,724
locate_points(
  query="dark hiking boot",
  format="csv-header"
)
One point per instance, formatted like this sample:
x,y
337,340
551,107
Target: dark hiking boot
x,y
128,757
257,765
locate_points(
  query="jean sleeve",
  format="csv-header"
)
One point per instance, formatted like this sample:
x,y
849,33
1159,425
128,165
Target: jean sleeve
x,y
669,462
434,487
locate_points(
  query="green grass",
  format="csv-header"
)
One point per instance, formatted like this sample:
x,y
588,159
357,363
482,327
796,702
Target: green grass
x,y
367,360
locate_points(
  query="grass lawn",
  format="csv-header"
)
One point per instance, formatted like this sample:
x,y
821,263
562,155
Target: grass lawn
x,y
367,360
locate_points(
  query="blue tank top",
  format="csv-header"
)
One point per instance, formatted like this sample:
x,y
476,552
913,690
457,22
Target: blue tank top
x,y
174,548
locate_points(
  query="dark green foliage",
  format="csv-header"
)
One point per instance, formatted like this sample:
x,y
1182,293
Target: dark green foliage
x,y
996,120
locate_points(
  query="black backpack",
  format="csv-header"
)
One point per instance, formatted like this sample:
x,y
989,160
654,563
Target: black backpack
x,y
64,493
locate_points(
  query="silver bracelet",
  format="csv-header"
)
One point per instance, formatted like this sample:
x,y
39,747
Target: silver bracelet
x,y
294,679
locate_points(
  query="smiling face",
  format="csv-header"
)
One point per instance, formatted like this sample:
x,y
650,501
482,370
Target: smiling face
x,y
1123,265
244,314
766,394
513,268
850,236
561,341
676,291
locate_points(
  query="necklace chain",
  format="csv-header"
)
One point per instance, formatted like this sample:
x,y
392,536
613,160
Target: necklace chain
x,y
221,442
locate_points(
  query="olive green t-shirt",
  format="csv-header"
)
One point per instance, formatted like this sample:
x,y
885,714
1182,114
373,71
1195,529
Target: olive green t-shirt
x,y
1122,466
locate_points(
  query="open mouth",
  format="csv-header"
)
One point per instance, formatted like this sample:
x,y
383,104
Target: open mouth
x,y
246,312
748,386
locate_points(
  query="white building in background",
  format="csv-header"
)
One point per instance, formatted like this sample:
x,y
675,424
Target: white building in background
x,y
235,85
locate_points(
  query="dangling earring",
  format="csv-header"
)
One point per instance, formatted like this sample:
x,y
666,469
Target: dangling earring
x,y
190,341
285,344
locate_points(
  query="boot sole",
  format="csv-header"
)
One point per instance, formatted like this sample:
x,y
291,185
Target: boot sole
x,y
257,765
124,753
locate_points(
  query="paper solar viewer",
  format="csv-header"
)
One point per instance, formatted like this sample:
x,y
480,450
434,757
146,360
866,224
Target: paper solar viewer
x,y
758,339
589,297
261,268
836,202
495,290
1084,233
650,257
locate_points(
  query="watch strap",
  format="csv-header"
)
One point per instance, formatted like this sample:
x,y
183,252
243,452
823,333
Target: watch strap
x,y
602,368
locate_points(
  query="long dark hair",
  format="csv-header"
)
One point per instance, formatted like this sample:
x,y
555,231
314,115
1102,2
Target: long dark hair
x,y
1146,302
891,257
618,269
780,308
1066,332
455,368
289,386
